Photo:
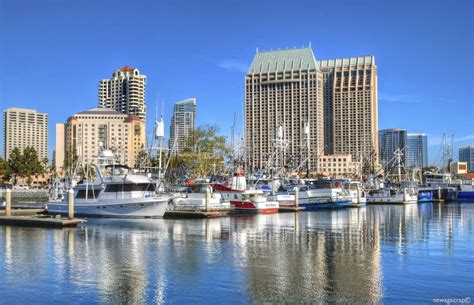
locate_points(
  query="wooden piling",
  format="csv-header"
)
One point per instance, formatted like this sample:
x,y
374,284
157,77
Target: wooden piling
x,y
208,199
70,211
8,206
297,196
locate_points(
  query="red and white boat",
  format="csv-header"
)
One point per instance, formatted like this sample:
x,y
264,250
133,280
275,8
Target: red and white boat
x,y
254,201
233,189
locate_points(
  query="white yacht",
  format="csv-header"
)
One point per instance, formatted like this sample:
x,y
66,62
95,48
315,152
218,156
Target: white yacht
x,y
120,193
194,198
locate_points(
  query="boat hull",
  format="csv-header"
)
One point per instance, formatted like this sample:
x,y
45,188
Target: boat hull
x,y
425,196
325,205
145,208
267,207
466,196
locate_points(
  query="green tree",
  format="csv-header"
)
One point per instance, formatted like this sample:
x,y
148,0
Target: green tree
x,y
204,154
26,164
5,169
205,139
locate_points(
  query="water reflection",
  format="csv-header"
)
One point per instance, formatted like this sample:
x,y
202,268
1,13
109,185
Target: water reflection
x,y
333,256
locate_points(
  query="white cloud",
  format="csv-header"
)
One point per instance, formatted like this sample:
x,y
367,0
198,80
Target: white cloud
x,y
399,99
234,65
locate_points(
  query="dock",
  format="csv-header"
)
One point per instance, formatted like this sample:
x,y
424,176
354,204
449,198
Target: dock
x,y
37,217
39,221
181,214
288,209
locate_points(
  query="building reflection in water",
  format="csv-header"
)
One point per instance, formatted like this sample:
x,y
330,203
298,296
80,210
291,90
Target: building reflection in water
x,y
332,256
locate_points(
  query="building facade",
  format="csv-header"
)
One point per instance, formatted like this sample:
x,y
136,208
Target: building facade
x,y
389,141
23,128
182,124
124,92
466,154
60,146
338,165
351,107
458,168
283,107
417,150
89,132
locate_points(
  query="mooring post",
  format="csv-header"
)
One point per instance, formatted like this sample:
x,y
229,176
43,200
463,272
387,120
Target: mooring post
x,y
439,193
297,196
405,195
208,199
358,195
8,206
70,210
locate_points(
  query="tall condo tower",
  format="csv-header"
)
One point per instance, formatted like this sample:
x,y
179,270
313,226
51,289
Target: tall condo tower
x,y
390,140
23,128
350,106
124,92
417,150
182,123
283,104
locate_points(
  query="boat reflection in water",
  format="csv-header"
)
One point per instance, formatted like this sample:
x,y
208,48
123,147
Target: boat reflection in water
x,y
343,256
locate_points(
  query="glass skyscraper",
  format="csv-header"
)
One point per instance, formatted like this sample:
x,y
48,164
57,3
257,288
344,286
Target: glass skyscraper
x,y
466,154
417,150
389,141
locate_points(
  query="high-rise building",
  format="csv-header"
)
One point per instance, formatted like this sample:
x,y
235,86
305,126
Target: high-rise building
x,y
182,123
351,107
466,154
87,133
124,92
335,101
390,140
60,146
24,128
416,152
283,107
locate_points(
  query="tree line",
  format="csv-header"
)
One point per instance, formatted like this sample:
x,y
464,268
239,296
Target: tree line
x,y
23,164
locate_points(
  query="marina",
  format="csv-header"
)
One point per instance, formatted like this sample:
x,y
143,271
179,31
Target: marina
x,y
342,256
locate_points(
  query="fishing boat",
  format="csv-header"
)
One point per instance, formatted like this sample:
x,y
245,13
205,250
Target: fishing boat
x,y
355,189
195,199
425,195
254,201
115,192
323,194
393,194
465,193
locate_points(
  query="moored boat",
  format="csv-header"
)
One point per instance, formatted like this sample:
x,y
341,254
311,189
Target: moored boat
x,y
254,201
323,194
119,194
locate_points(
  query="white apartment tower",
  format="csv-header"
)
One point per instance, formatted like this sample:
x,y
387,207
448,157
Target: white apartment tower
x,y
124,92
182,123
23,128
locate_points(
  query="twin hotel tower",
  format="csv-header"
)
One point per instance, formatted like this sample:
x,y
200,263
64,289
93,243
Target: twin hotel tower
x,y
324,111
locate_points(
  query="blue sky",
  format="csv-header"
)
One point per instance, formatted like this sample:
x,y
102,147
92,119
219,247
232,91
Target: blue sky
x,y
53,53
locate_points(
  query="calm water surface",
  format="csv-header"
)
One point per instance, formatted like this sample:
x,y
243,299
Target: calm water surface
x,y
379,254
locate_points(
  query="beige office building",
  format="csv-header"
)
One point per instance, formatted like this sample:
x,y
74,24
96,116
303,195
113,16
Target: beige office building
x,y
338,166
283,99
87,133
350,107
330,104
23,128
124,92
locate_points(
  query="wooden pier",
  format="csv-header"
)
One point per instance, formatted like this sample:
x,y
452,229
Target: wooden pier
x,y
283,209
36,217
39,221
182,214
